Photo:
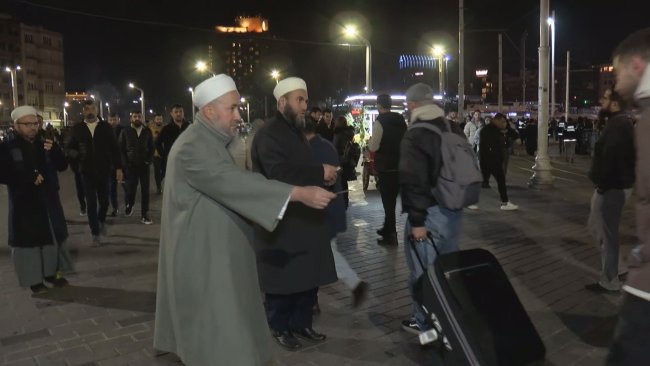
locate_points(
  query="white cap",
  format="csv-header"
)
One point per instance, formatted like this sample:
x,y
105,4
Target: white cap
x,y
212,89
23,111
288,85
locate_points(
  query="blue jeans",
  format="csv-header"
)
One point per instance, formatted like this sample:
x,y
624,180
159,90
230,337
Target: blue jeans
x,y
444,226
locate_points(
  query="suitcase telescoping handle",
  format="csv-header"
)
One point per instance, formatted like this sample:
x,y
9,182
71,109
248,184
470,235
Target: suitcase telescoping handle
x,y
412,242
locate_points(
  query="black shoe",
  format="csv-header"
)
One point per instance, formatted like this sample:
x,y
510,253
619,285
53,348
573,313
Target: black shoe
x,y
38,289
388,240
159,191
485,185
83,212
128,211
597,288
360,293
57,281
115,212
287,341
146,220
411,326
381,232
309,334
316,309
102,229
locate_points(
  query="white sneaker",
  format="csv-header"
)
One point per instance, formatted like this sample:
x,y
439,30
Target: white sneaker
x,y
473,207
508,206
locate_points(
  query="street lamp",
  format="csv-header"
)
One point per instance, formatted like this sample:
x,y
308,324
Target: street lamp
x,y
108,108
248,110
202,66
14,82
65,113
275,74
551,24
439,53
351,31
193,107
101,107
142,109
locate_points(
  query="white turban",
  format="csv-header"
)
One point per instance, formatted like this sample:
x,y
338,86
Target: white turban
x,y
23,111
212,89
288,85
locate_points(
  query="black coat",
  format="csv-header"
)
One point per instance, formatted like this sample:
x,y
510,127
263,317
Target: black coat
x,y
342,136
136,151
492,145
32,208
96,154
296,256
393,128
168,136
614,155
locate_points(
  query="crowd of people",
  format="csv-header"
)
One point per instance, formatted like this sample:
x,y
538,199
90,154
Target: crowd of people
x,y
249,244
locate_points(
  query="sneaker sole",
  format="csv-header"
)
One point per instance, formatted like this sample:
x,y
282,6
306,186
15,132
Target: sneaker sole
x,y
411,330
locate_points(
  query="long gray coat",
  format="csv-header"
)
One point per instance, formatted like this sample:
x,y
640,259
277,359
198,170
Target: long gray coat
x,y
297,255
209,310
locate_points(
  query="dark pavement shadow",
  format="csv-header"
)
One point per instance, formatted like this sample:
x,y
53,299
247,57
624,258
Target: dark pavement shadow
x,y
138,301
592,330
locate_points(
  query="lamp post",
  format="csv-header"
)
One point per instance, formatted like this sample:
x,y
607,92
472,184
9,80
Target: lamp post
x,y
142,109
14,82
551,23
65,113
461,60
275,74
439,53
101,107
108,108
351,31
248,109
191,90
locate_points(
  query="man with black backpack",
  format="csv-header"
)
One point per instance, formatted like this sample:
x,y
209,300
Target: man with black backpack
x,y
387,133
434,191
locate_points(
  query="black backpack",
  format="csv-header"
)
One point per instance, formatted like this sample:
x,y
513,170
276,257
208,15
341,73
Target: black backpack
x,y
351,154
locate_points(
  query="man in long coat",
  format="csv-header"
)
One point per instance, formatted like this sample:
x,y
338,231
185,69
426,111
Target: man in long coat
x,y
37,227
296,258
209,310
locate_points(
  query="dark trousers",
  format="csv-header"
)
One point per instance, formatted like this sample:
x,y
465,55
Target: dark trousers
x,y
112,184
293,311
496,170
157,172
346,195
135,175
389,190
79,185
631,343
96,189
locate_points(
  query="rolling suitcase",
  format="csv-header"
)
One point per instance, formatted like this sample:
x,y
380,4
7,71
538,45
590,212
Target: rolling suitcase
x,y
474,313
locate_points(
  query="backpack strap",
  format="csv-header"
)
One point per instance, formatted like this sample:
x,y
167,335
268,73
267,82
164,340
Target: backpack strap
x,y
427,126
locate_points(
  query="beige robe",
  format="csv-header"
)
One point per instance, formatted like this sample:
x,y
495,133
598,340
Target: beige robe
x,y
209,309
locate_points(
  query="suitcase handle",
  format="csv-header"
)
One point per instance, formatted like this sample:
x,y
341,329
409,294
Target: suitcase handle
x,y
412,242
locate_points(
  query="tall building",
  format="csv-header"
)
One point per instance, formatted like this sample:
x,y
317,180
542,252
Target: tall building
x,y
238,51
40,80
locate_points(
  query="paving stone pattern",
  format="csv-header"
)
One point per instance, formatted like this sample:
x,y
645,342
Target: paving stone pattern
x,y
106,316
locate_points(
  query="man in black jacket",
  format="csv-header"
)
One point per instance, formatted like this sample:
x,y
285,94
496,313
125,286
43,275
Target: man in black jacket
x,y
612,172
419,169
387,133
492,151
325,127
94,147
170,133
136,148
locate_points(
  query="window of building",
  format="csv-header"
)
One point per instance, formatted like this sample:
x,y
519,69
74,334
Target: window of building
x,y
29,38
49,87
47,41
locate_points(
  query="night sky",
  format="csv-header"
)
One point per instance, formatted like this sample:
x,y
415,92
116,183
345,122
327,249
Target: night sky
x,y
159,44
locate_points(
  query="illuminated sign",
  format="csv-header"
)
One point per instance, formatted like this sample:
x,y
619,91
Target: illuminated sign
x,y
480,73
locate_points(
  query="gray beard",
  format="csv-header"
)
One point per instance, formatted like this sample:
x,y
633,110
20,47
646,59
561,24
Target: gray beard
x,y
293,118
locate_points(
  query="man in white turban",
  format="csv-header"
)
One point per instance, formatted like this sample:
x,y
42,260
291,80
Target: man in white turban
x,y
209,310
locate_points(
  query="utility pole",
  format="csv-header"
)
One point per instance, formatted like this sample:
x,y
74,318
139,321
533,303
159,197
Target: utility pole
x,y
461,61
500,100
542,171
566,100
523,68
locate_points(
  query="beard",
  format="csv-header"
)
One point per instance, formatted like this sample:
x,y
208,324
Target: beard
x,y
90,117
293,117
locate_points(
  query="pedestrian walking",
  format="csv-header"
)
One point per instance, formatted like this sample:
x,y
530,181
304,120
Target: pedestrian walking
x,y
492,153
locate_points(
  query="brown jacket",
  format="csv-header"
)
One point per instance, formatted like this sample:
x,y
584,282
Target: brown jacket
x,y
639,276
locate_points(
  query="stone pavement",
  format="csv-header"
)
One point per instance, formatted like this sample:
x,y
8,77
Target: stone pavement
x,y
106,316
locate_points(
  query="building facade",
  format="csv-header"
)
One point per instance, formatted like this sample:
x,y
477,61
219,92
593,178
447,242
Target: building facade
x,y
40,80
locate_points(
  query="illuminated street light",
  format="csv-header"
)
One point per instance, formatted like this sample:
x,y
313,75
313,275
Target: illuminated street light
x,y
101,107
191,90
351,31
248,110
65,113
142,109
439,53
275,74
108,107
14,81
202,66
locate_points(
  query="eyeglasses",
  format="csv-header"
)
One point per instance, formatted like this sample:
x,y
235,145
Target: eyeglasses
x,y
29,124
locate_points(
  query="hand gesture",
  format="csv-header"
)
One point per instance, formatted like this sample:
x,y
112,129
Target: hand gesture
x,y
47,144
39,180
330,174
314,197
119,176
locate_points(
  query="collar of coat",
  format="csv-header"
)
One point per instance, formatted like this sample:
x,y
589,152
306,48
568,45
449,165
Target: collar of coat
x,y
219,133
426,113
